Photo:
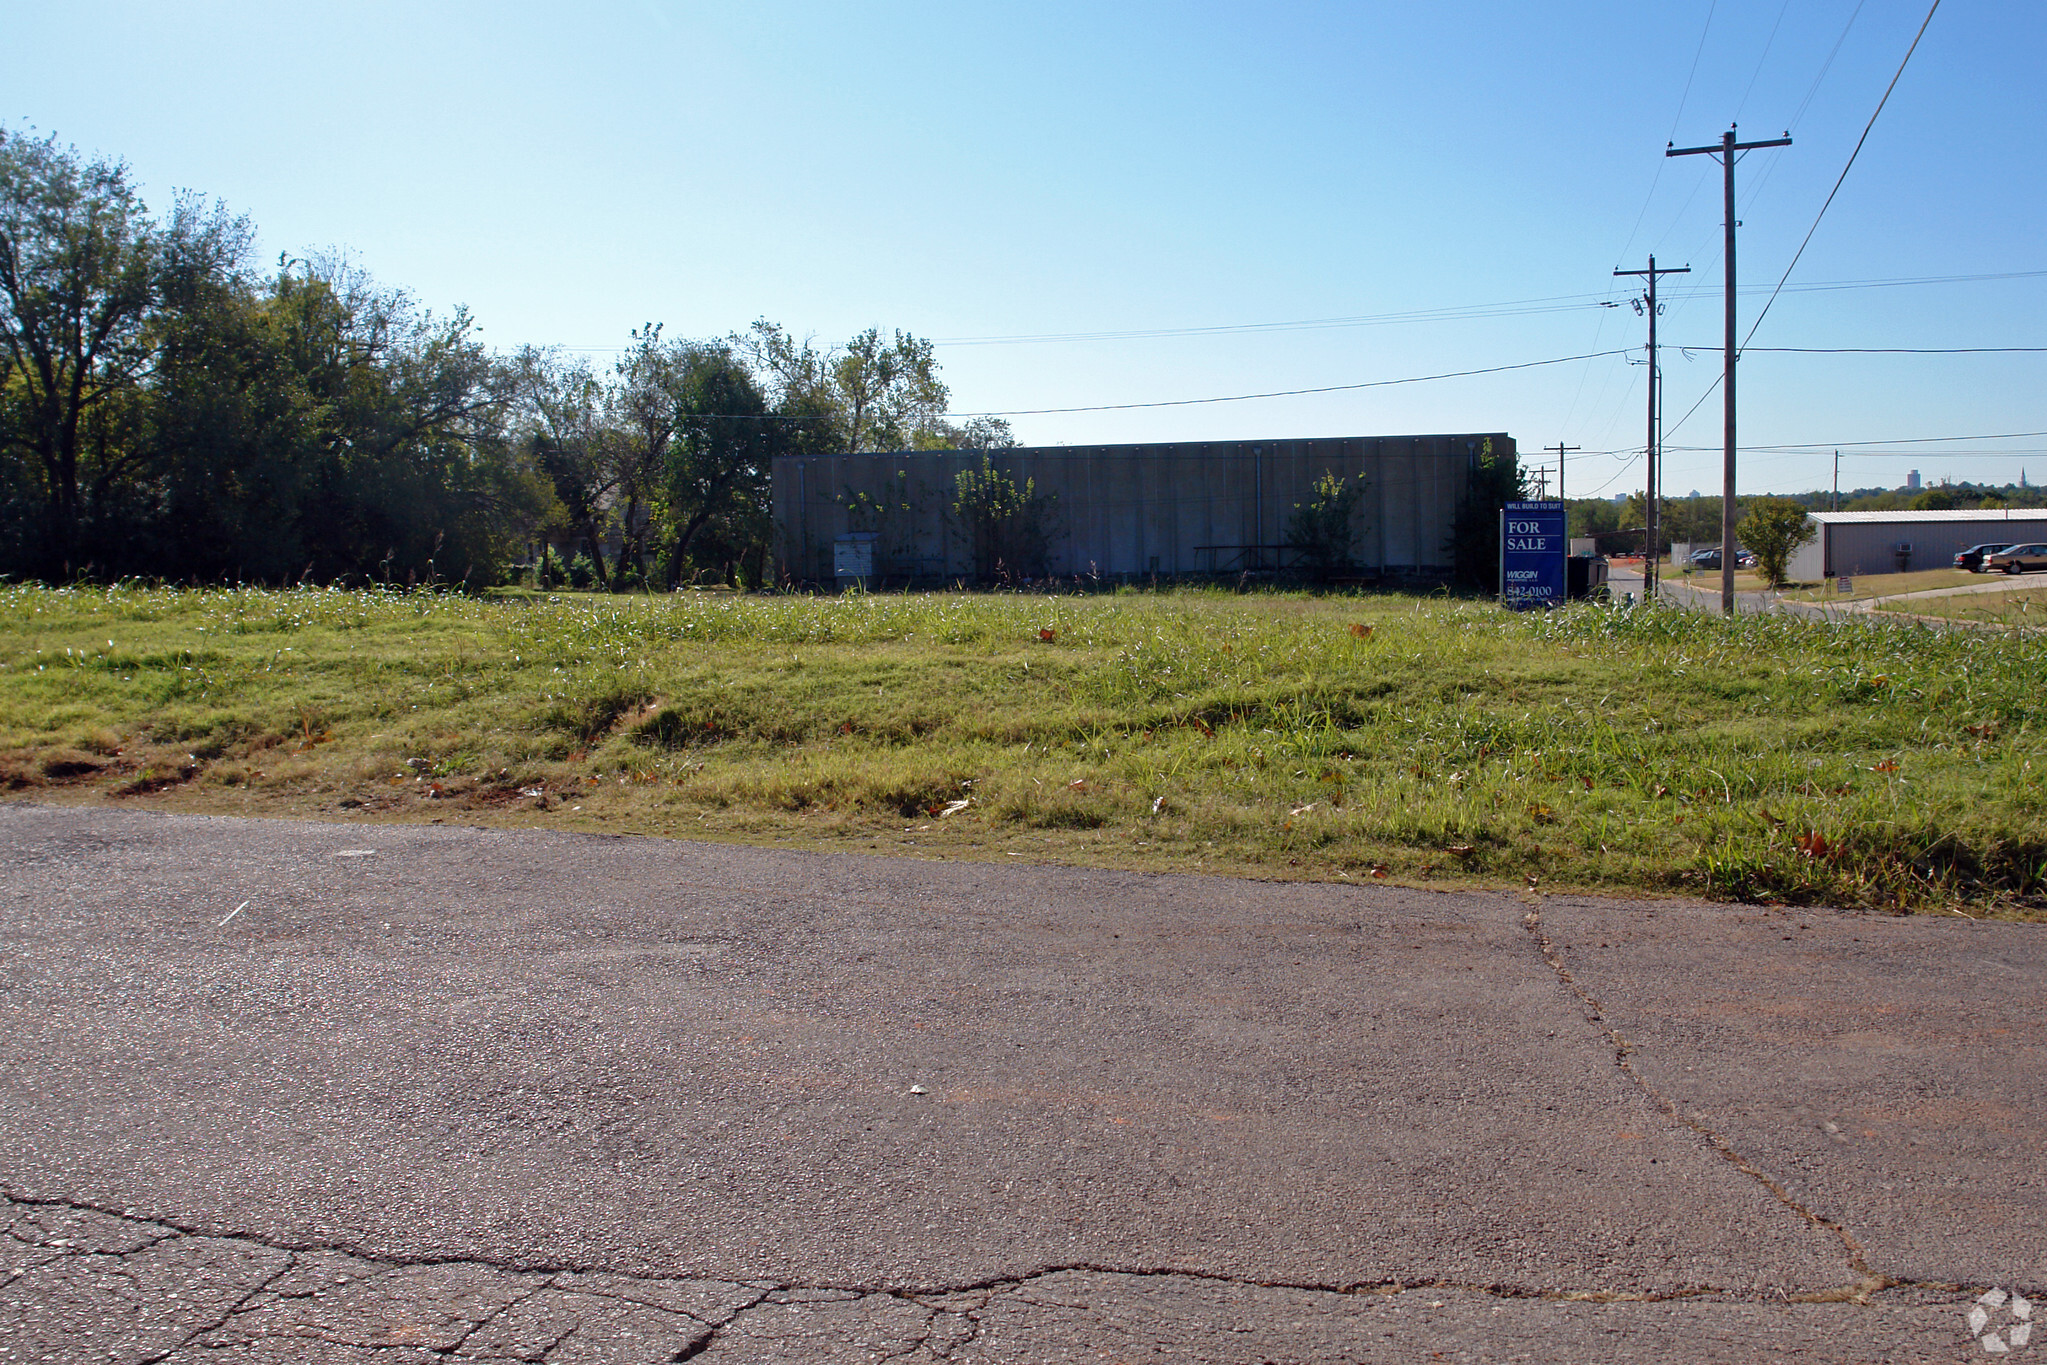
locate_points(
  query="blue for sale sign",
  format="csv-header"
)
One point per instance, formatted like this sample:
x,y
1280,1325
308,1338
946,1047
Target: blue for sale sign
x,y
1534,539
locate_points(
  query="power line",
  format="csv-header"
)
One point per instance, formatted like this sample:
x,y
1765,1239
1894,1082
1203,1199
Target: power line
x,y
1884,350
1616,477
1675,119
1555,303
1795,256
1828,64
1768,43
1287,393
1893,441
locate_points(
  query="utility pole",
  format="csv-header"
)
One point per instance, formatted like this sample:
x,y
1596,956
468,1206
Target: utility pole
x,y
1726,152
1837,481
1560,448
1542,482
1652,510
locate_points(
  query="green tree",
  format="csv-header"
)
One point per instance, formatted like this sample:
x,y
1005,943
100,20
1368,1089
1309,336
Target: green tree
x,y
871,394
1006,523
1772,529
1320,528
1595,516
412,475
78,276
1474,544
561,422
719,475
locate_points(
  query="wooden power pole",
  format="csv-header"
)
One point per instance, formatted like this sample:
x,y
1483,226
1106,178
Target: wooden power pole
x,y
1726,150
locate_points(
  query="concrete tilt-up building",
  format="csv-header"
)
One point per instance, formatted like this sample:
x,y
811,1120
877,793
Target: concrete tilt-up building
x,y
1171,509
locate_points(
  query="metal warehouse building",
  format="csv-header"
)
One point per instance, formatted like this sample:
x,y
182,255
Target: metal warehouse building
x,y
1899,542
1124,510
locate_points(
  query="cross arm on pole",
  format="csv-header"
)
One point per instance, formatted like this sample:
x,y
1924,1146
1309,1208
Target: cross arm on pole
x,y
1720,147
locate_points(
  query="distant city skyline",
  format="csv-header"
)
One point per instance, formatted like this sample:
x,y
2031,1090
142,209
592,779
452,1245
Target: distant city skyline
x,y
1091,207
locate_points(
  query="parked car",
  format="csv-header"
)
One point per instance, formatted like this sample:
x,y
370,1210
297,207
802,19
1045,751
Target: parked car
x,y
1973,557
1709,558
2017,558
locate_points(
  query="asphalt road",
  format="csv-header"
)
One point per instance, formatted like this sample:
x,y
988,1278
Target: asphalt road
x,y
288,1091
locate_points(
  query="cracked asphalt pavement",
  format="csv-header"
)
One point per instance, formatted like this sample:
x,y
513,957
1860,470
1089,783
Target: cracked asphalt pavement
x,y
277,1091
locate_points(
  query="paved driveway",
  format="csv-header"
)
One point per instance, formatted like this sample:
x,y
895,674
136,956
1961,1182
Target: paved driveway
x,y
287,1091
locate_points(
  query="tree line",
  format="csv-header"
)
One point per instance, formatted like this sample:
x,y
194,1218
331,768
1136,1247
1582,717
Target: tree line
x,y
172,410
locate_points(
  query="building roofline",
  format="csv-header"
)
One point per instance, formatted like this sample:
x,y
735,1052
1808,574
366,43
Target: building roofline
x,y
1134,446
1958,515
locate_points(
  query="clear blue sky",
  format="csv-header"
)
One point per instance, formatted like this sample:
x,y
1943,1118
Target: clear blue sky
x,y
1007,170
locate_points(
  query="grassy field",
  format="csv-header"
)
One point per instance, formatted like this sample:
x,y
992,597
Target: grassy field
x,y
1865,585
1873,763
2022,605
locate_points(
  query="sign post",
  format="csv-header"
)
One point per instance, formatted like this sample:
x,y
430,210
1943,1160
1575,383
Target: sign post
x,y
1534,538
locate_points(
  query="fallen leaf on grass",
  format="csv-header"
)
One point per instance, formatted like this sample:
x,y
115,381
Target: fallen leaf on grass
x,y
1078,784
1363,632
1046,633
1302,810
953,807
1158,805
1812,844
1380,870
1461,850
1889,765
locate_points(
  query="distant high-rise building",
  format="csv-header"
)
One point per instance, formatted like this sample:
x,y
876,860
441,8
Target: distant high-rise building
x,y
1912,480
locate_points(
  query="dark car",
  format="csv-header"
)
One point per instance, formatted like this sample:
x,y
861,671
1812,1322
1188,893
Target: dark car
x,y
1973,557
1709,558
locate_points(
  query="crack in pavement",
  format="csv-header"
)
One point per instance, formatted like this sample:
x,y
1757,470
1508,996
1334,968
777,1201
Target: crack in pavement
x,y
1869,1283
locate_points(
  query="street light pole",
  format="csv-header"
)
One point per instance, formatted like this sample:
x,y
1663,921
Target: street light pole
x,y
1652,500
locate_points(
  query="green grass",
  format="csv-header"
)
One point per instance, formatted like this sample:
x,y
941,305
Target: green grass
x,y
1874,763
2022,605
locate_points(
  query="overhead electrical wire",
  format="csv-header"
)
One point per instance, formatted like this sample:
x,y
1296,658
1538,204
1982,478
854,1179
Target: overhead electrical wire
x,y
1877,350
1289,393
1555,303
1827,65
1683,98
1840,179
1894,441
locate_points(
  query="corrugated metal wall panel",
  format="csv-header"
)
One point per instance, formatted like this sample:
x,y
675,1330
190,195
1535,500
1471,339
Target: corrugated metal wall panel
x,y
1208,507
